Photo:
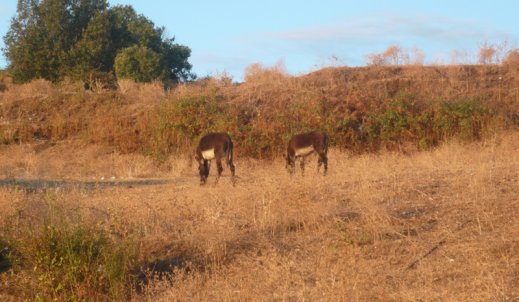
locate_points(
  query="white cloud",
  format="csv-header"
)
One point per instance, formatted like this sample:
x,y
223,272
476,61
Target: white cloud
x,y
377,27
352,38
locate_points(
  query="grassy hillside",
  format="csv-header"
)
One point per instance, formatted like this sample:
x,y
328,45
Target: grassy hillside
x,y
363,109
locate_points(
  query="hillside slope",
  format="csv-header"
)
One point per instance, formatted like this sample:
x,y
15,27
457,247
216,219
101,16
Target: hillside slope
x,y
363,109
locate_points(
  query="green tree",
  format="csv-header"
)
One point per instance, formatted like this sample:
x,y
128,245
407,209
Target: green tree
x,y
138,63
53,39
42,33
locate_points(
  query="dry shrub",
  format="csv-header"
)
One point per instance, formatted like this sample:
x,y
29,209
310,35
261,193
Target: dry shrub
x,y
222,79
127,86
34,89
393,55
487,54
153,92
218,87
5,82
70,87
417,57
259,74
512,58
60,251
364,109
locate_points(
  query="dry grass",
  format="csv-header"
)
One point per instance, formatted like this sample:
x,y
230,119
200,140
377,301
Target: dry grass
x,y
411,107
146,92
436,225
429,226
79,161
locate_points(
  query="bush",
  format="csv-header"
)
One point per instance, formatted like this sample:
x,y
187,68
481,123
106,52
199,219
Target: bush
x,y
260,116
65,258
407,118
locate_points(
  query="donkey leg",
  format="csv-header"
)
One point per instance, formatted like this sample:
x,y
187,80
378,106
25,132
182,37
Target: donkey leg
x,y
220,168
230,164
292,168
324,159
204,172
207,169
319,163
291,164
232,168
202,175
302,166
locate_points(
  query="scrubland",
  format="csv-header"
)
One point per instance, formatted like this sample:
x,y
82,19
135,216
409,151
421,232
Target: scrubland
x,y
363,109
435,225
397,218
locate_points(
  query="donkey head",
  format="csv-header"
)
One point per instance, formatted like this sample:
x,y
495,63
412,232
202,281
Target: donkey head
x,y
203,169
290,162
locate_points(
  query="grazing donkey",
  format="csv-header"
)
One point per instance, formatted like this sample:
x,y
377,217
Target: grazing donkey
x,y
302,145
214,146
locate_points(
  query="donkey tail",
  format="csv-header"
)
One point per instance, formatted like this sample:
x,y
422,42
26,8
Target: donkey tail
x,y
326,142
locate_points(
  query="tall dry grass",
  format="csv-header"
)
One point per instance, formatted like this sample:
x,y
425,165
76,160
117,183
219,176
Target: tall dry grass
x,y
363,109
435,225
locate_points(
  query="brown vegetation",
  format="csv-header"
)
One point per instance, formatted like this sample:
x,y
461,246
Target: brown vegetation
x,y
386,223
436,225
364,109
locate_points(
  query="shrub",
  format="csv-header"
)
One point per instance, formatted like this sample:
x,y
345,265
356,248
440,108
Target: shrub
x,y
262,114
65,258
464,119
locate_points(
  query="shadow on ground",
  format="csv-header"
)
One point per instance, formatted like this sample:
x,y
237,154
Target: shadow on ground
x,y
31,185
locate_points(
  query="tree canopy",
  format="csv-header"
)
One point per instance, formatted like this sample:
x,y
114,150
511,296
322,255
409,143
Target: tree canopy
x,y
87,39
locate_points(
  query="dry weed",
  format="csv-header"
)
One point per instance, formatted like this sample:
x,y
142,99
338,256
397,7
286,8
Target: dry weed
x,y
436,225
152,93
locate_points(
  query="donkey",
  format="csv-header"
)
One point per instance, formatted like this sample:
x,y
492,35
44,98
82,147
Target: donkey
x,y
214,146
304,144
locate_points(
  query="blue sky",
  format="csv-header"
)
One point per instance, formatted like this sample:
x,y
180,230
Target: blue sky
x,y
228,36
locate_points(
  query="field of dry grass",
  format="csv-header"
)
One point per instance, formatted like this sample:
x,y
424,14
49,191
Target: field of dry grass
x,y
439,225
101,201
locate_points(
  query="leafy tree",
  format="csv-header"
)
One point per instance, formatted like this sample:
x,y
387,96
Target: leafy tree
x,y
42,33
138,63
81,39
173,58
